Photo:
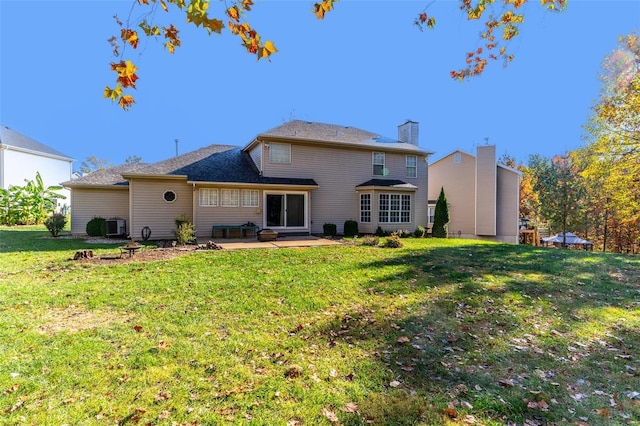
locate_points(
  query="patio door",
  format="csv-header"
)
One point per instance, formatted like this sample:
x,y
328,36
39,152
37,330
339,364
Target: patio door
x,y
286,210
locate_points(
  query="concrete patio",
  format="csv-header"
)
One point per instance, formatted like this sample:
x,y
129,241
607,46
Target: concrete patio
x,y
285,241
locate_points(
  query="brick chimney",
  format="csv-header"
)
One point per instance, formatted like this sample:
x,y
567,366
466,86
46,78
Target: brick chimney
x,y
408,132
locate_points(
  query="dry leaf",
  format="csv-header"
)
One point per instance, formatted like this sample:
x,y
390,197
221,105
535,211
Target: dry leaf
x,y
403,339
350,408
394,384
330,415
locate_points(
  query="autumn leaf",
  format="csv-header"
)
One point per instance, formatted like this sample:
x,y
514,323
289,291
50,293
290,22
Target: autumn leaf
x,y
137,328
350,408
330,415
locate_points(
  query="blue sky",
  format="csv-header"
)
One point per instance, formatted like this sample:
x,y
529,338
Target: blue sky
x,y
366,65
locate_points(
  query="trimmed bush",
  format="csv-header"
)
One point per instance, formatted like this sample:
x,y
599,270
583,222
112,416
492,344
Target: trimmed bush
x,y
393,241
441,217
185,233
350,228
380,232
419,232
97,227
403,233
329,229
55,223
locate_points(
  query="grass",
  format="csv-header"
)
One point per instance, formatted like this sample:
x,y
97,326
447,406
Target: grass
x,y
437,332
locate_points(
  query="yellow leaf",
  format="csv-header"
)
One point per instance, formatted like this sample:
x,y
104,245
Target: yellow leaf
x,y
269,46
164,6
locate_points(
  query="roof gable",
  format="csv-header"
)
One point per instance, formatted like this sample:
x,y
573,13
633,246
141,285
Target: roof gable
x,y
11,138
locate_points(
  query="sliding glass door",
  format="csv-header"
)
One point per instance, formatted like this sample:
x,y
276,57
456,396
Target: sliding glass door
x,y
286,210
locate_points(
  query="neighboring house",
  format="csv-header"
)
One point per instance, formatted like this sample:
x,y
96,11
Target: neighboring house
x,y
21,158
483,195
293,178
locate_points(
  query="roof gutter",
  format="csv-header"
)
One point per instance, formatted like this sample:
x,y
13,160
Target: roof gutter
x,y
361,146
261,185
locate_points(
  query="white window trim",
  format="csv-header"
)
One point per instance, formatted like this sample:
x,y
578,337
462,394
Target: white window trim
x,y
250,192
400,211
227,191
414,167
213,197
272,145
373,163
369,210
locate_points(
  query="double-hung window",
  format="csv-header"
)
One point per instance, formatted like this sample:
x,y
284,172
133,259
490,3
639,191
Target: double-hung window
x,y
365,208
378,163
394,208
230,198
279,152
208,197
412,166
249,198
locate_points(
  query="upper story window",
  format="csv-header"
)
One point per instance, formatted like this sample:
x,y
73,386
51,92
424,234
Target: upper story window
x,y
279,152
412,166
457,158
208,197
378,164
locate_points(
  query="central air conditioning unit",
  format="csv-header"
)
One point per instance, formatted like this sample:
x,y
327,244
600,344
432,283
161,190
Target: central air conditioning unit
x,y
116,227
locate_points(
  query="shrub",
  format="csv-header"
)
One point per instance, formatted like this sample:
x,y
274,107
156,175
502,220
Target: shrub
x,y
183,218
393,241
329,229
403,233
55,223
441,217
350,228
185,233
380,232
419,232
370,240
97,227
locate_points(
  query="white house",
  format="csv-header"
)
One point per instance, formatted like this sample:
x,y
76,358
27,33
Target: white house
x,y
22,157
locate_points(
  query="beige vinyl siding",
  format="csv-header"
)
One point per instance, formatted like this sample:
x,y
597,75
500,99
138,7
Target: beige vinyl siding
x,y
206,216
87,203
508,205
256,155
458,180
486,191
148,207
338,171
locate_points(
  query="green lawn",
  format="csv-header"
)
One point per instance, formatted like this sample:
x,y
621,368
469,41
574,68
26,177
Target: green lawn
x,y
437,332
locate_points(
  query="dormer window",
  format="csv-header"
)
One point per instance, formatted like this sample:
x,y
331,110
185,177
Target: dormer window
x,y
378,164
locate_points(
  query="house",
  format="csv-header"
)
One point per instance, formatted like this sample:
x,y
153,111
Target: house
x,y
483,195
293,178
21,158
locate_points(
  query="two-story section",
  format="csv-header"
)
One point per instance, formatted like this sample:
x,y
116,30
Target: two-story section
x,y
362,176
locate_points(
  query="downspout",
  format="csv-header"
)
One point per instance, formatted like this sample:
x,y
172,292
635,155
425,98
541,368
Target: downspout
x,y
2,167
193,207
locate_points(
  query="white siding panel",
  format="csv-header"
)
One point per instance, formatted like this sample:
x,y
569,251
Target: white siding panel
x,y
90,203
256,156
150,209
338,172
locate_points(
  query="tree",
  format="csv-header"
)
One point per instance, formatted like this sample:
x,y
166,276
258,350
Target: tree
x,y
94,164
441,217
500,20
133,159
29,204
611,158
560,190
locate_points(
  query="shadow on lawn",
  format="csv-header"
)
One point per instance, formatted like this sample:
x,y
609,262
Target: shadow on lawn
x,y
499,331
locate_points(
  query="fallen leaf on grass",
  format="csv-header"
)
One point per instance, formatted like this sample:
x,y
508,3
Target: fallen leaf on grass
x,y
507,383
403,339
330,415
603,412
350,408
394,384
162,345
137,328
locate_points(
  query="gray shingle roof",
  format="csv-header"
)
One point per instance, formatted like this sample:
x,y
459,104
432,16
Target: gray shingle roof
x,y
397,183
107,177
333,133
9,137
